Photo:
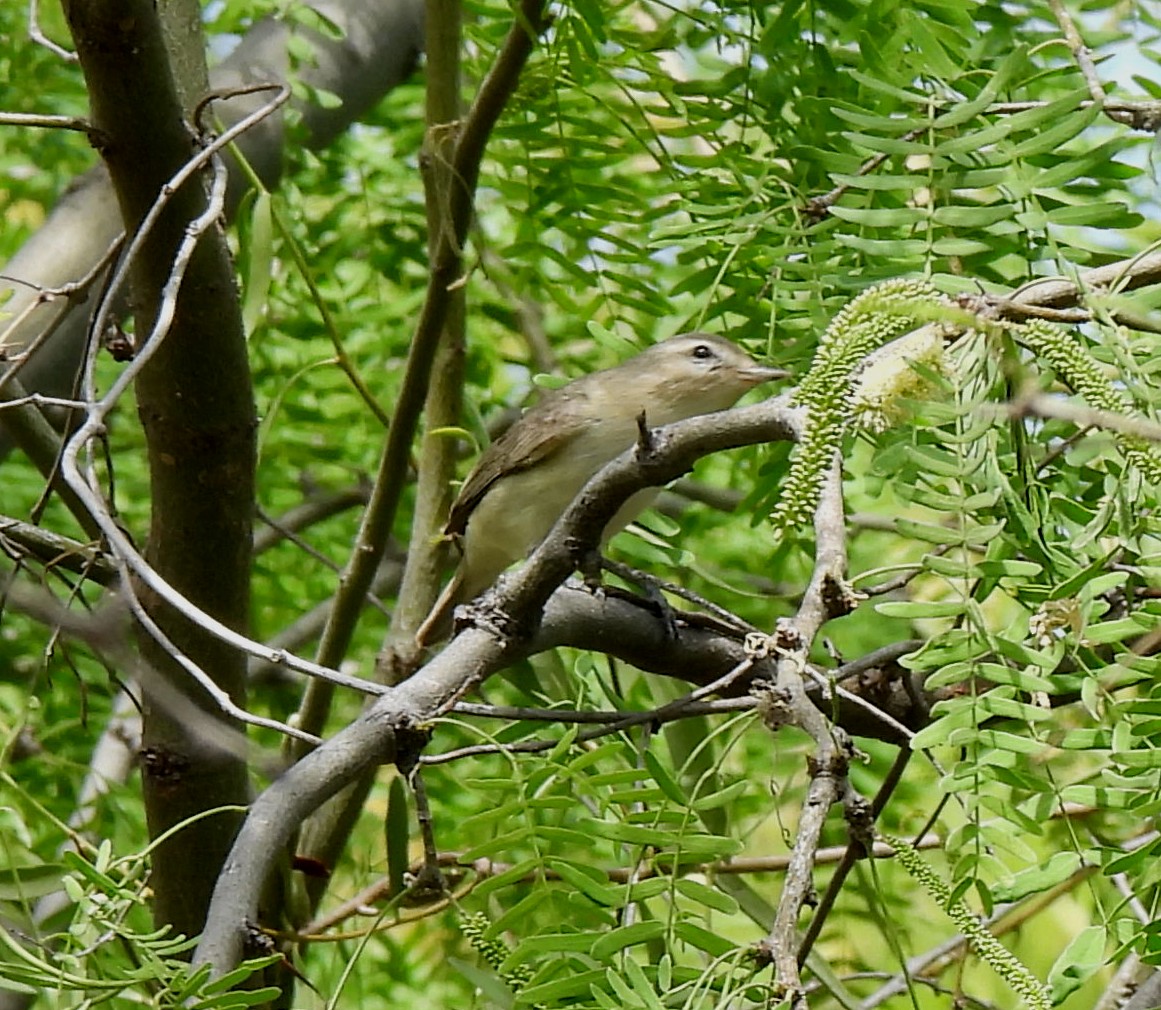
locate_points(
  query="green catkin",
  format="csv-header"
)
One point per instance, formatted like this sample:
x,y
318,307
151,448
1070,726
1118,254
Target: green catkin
x,y
874,317
883,313
493,952
989,950
1078,370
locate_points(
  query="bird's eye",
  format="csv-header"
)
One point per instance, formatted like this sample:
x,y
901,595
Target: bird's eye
x,y
703,351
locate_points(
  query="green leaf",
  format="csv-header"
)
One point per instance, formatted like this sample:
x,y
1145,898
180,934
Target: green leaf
x,y
78,864
1011,567
1144,759
229,980
925,531
1094,215
950,568
902,248
956,246
626,936
939,732
1097,796
1026,679
917,609
708,896
642,987
977,140
24,883
723,797
868,121
1077,963
972,217
880,217
875,183
1008,708
886,88
982,535
1101,584
996,738
1119,630
669,785
1086,739
554,943
591,882
690,844
935,56
1132,861
506,878
1036,879
703,939
12,984
1054,137
1045,658
522,912
562,990
259,262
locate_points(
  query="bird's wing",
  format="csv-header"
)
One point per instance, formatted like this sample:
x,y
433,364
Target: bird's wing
x,y
523,445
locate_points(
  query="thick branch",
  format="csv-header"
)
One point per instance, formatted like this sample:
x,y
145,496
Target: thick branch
x,y
467,660
436,465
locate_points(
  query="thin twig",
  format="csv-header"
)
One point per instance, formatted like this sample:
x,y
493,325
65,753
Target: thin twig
x,y
851,852
47,122
56,551
679,708
1085,64
315,509
71,292
1041,405
37,35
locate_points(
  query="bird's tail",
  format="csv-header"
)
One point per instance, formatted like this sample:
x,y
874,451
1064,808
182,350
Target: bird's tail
x,y
438,624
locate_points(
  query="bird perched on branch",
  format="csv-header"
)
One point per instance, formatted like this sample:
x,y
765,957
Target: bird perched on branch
x,y
527,478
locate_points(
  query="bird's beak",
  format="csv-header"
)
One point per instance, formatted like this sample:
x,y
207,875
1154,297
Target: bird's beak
x,y
757,374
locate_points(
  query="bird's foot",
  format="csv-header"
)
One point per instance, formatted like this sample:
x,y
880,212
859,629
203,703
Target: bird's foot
x,y
652,588
590,568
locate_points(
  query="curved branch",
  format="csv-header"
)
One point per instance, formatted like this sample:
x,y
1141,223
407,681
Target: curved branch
x,y
474,654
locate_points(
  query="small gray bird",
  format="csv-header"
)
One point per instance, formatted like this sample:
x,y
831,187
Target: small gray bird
x,y
527,478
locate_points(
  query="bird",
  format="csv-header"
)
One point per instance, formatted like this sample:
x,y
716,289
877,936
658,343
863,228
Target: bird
x,y
526,479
